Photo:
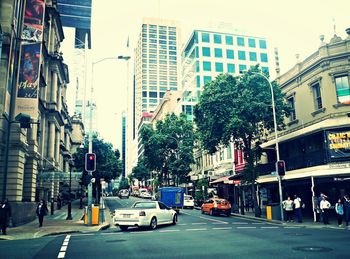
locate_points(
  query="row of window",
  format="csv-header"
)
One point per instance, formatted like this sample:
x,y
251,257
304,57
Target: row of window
x,y
229,40
219,67
171,42
153,53
342,91
153,61
160,27
162,37
230,54
155,46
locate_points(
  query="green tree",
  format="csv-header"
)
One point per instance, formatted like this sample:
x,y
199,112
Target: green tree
x,y
108,164
140,172
168,149
239,110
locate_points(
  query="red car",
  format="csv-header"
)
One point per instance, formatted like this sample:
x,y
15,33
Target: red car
x,y
216,206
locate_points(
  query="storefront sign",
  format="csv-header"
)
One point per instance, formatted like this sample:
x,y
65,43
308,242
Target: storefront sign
x,y
29,65
338,143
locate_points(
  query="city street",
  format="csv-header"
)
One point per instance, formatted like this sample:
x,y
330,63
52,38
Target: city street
x,y
194,236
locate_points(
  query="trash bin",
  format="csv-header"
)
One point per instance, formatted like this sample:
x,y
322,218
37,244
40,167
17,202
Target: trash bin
x,y
95,215
273,211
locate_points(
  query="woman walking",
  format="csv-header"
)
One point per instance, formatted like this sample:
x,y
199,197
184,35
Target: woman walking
x,y
288,207
339,209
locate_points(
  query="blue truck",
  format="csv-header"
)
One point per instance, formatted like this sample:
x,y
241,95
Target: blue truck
x,y
173,197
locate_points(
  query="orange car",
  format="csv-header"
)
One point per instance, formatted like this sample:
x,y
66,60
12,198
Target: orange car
x,y
216,206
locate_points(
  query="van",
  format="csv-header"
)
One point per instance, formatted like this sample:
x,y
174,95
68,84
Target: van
x,y
188,202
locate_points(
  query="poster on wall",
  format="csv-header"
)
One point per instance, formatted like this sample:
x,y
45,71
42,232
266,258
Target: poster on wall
x,y
29,64
338,143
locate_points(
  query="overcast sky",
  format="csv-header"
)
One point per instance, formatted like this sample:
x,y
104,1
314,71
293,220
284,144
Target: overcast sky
x,y
291,26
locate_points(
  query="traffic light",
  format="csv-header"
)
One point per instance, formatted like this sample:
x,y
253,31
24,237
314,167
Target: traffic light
x,y
281,167
90,162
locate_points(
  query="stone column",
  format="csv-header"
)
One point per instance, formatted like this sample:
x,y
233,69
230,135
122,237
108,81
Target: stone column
x,y
51,153
57,148
54,87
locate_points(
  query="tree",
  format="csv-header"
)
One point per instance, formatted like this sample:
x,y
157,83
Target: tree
x,y
239,110
140,172
108,164
168,149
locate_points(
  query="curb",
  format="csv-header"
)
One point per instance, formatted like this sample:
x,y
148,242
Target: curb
x,y
62,233
105,227
256,218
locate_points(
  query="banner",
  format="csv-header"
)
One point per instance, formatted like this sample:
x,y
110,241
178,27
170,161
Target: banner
x,y
29,65
338,144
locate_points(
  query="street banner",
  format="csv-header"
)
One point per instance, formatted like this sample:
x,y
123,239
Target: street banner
x,y
29,64
338,144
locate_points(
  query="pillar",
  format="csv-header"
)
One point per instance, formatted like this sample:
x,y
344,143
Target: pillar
x,y
54,87
57,147
51,153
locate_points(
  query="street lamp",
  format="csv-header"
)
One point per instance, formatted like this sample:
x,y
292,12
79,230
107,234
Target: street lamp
x,y
276,140
71,164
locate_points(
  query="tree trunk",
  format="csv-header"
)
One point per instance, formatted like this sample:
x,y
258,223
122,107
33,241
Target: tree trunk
x,y
241,200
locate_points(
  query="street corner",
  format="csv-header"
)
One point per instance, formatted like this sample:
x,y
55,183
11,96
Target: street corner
x,y
6,237
104,226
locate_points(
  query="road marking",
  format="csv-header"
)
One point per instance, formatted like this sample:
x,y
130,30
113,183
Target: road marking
x,y
260,223
142,232
64,246
199,223
269,227
222,228
240,223
196,229
183,224
85,234
172,230
291,227
113,233
245,227
215,220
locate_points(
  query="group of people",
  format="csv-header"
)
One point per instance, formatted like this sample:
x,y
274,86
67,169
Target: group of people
x,y
342,209
293,206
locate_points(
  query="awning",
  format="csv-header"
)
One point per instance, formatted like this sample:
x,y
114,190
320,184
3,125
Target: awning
x,y
221,179
229,179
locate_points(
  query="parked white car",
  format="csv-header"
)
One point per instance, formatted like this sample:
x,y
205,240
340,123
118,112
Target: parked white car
x,y
145,194
144,214
188,201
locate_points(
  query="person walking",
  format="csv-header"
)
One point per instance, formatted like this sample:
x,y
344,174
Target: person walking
x,y
5,214
339,209
297,209
325,205
41,211
347,209
288,207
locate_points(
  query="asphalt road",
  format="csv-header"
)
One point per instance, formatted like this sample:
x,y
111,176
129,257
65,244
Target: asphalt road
x,y
195,236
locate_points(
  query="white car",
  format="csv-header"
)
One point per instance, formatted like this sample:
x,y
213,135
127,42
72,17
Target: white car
x,y
145,194
144,214
188,201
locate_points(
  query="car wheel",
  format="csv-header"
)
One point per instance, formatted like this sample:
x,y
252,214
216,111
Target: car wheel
x,y
174,219
123,228
153,224
211,213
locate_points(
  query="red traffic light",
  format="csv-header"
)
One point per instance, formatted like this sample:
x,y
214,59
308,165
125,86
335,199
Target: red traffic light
x,y
91,157
90,162
281,167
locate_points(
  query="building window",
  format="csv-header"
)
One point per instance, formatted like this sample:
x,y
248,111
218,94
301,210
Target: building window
x,y
219,67
206,66
343,89
240,41
242,68
144,94
198,81
265,70
251,43
197,66
229,40
205,37
252,56
229,151
206,51
262,44
263,57
230,68
241,55
229,54
153,94
206,79
291,102
218,53
217,38
317,96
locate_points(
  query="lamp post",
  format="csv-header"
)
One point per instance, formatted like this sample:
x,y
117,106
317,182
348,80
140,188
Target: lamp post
x,y
69,215
90,129
276,140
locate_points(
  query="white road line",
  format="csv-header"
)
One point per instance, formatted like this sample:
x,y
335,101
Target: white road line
x,y
61,255
199,223
223,222
217,223
182,224
291,227
260,223
112,233
85,234
222,228
269,227
64,246
141,232
63,249
196,229
245,227
65,243
240,223
173,230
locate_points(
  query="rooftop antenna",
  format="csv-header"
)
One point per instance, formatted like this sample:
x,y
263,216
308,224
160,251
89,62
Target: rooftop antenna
x,y
334,26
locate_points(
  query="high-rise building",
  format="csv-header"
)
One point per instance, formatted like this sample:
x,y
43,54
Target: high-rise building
x,y
206,55
123,142
156,71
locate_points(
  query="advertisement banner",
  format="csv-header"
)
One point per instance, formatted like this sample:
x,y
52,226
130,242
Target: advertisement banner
x,y
338,143
29,64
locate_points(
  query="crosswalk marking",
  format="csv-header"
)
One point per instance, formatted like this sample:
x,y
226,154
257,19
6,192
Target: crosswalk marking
x,y
223,228
245,227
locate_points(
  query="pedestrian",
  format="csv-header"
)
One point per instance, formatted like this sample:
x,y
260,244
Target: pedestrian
x,y
59,204
5,214
41,211
288,207
297,208
347,209
339,209
318,209
325,205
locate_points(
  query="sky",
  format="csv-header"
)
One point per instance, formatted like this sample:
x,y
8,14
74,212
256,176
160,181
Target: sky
x,y
294,27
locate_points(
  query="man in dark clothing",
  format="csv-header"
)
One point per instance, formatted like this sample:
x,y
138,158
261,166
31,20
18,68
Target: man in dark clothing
x,y
5,214
347,209
41,211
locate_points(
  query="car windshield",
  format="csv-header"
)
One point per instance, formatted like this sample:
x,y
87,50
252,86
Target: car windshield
x,y
188,198
145,205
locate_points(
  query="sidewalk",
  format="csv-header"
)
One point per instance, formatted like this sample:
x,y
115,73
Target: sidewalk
x,y
56,224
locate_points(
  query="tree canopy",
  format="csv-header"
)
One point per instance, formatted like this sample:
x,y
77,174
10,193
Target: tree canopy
x,y
168,149
108,164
